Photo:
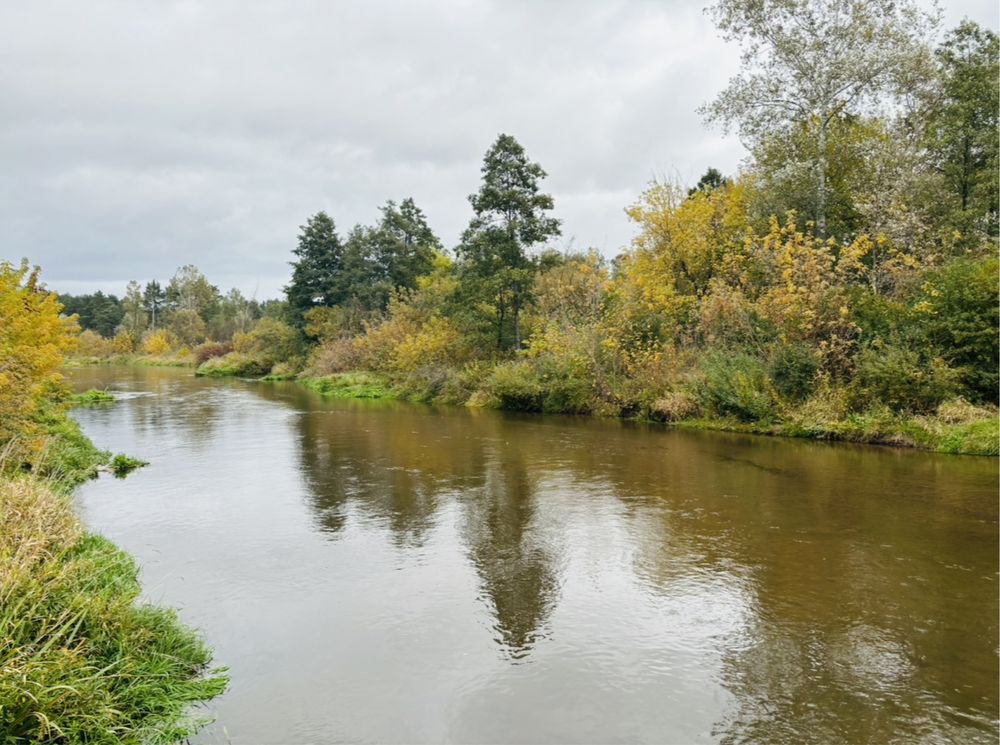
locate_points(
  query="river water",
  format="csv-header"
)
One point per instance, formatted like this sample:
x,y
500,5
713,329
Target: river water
x,y
383,572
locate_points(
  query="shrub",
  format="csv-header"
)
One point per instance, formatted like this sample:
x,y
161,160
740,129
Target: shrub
x,y
285,370
902,379
515,386
735,384
124,342
425,383
335,356
543,384
234,364
159,343
792,369
209,349
960,314
436,343
673,407
821,412
92,344
377,347
33,338
270,341
960,411
647,377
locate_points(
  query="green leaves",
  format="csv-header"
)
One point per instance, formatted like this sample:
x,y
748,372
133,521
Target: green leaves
x,y
365,268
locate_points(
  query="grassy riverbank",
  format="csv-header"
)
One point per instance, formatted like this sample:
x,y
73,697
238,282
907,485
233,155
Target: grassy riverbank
x,y
136,360
81,660
956,427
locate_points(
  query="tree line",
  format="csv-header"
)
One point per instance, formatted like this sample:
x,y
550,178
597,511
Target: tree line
x,y
848,269
187,310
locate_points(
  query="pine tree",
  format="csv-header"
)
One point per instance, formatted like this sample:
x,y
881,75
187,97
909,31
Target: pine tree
x,y
320,258
510,217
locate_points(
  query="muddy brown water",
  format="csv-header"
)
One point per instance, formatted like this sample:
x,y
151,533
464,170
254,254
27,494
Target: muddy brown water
x,y
384,572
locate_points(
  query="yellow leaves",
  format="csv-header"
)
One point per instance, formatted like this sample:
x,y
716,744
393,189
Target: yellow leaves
x,y
324,323
123,343
573,292
682,240
437,342
159,343
33,339
878,263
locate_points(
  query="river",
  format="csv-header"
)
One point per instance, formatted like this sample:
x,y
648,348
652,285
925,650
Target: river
x,y
382,572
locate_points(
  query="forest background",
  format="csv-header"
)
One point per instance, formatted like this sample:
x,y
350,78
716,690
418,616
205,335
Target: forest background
x,y
842,284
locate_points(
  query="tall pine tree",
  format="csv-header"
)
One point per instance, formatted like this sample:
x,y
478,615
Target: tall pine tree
x,y
510,217
320,258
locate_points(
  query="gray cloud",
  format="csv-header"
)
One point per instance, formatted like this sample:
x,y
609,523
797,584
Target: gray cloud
x,y
139,136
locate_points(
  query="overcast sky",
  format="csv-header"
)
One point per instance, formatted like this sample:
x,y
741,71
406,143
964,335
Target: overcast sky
x,y
139,136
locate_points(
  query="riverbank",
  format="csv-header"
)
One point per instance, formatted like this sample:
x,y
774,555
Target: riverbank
x,y
957,427
136,360
83,660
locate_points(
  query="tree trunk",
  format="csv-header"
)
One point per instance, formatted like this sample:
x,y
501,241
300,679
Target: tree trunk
x,y
501,315
821,191
517,325
966,171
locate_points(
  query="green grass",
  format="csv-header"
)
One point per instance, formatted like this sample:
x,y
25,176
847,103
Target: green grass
x,y
973,438
981,437
68,457
131,360
350,385
122,465
82,660
92,398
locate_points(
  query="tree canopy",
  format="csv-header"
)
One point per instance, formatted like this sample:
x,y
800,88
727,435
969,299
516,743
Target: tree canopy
x,y
510,216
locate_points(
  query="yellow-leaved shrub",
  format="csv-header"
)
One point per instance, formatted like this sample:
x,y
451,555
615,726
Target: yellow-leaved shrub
x,y
33,340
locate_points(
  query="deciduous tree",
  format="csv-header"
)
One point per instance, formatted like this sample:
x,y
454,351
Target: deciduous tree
x,y
808,62
963,125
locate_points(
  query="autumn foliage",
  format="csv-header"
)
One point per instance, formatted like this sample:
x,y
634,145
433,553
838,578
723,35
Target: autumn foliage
x,y
33,339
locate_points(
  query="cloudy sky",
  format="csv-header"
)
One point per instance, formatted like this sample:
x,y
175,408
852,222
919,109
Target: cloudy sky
x,y
137,136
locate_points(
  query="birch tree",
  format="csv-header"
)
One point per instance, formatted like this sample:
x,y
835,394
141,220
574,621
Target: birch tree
x,y
808,62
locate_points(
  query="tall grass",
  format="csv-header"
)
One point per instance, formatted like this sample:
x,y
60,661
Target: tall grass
x,y
80,660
